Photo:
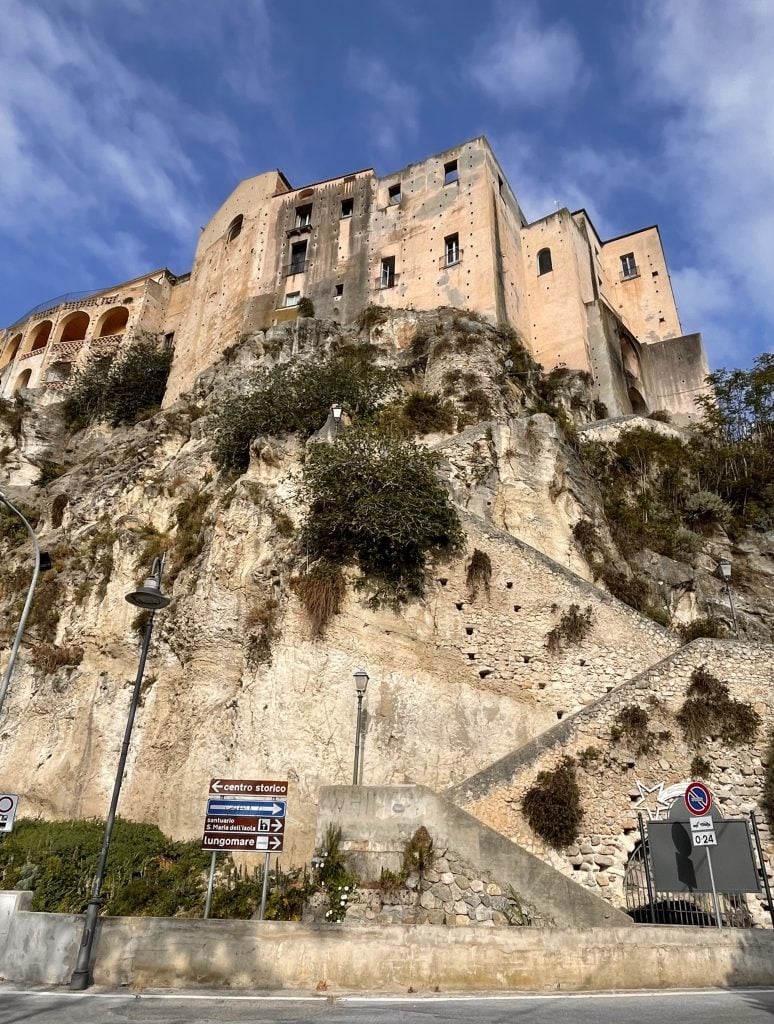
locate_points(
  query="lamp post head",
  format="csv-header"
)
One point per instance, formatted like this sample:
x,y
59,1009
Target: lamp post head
x,y
336,411
724,569
361,681
148,595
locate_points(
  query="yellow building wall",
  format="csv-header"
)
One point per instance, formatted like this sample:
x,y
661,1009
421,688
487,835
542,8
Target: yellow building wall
x,y
645,302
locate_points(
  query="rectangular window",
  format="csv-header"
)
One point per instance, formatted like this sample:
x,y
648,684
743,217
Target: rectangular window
x,y
452,249
393,194
450,174
628,266
292,298
339,291
347,206
169,341
304,216
387,277
297,258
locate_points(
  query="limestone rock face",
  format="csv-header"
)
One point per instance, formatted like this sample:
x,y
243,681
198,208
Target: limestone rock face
x,y
236,685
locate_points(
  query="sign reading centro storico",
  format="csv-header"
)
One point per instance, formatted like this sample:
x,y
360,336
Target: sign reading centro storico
x,y
245,814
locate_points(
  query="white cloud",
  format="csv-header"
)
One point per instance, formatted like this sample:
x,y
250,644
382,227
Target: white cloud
x,y
394,103
90,141
528,62
705,66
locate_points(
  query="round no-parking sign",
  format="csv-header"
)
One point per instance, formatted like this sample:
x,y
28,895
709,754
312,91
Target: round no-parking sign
x,y
8,804
698,798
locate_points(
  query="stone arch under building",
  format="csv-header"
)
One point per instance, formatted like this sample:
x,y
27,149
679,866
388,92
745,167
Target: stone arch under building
x,y
39,336
74,326
10,350
113,322
22,381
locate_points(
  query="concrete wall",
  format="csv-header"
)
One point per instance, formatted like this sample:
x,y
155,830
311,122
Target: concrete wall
x,y
377,821
162,953
675,372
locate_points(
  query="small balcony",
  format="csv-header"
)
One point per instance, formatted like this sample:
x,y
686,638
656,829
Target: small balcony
x,y
66,350
29,355
295,267
299,229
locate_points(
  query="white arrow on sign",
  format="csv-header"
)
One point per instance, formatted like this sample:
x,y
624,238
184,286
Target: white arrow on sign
x,y
216,786
277,824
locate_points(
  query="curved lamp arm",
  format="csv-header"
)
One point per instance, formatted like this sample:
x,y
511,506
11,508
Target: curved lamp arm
x,y
27,604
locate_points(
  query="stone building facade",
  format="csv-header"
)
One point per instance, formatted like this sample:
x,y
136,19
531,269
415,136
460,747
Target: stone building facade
x,y
447,231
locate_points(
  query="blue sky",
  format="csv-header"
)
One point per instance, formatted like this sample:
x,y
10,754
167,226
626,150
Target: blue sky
x,y
125,123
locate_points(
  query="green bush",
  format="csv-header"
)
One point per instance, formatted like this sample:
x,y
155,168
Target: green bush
x,y
375,501
334,875
700,767
118,391
704,627
631,723
296,397
705,509
709,711
418,853
573,627
429,413
305,307
552,806
370,317
767,794
12,529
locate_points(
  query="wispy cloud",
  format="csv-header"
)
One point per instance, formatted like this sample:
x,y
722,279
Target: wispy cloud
x,y
528,61
90,141
707,65
394,104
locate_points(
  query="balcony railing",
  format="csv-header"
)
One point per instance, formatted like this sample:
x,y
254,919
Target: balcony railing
x,y
108,341
295,267
66,349
629,273
299,229
34,352
386,281
450,259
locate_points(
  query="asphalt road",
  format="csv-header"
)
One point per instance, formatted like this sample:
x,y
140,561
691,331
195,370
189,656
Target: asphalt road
x,y
753,1006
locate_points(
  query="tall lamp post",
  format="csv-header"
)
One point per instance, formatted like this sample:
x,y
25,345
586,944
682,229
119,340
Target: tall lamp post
x,y
361,682
724,573
42,562
150,598
336,411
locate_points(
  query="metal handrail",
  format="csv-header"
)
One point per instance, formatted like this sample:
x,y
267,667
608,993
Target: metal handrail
x,y
295,267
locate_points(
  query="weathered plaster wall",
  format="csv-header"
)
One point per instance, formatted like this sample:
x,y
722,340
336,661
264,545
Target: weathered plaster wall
x,y
675,372
645,302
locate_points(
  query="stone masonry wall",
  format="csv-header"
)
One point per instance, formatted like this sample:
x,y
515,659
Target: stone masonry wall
x,y
616,782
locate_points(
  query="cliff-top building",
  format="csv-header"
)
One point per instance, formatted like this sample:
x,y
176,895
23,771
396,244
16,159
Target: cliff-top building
x,y
448,231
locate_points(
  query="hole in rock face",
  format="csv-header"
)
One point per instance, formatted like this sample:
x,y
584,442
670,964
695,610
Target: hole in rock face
x,y
471,656
509,585
443,581
469,630
527,658
517,607
559,714
582,661
541,686
460,605
608,689
485,672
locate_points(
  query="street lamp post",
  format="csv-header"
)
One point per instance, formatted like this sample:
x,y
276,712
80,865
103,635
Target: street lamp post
x,y
42,562
724,573
336,411
361,682
150,598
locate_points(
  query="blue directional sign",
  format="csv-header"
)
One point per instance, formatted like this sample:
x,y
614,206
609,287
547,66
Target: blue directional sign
x,y
247,808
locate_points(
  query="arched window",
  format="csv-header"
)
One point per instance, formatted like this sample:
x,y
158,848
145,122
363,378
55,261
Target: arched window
x,y
544,262
234,229
40,336
114,322
10,350
74,327
22,380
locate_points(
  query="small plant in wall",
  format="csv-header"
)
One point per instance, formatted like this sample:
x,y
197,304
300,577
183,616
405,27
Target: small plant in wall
x,y
479,574
552,805
334,876
631,723
418,853
709,711
573,627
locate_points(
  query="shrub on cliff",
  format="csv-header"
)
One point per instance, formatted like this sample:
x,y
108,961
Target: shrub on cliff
x,y
297,397
552,806
374,501
709,710
118,391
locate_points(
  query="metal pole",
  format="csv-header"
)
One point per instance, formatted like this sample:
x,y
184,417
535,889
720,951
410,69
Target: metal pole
x,y
80,976
715,900
265,889
646,863
733,609
27,604
357,738
208,903
361,758
762,862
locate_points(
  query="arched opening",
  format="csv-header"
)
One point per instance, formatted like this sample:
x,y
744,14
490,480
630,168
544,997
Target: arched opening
x,y
114,322
639,405
545,266
22,381
58,372
39,337
234,228
630,358
10,350
74,327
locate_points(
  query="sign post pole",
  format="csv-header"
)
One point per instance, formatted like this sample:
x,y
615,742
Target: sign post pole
x,y
762,862
210,882
265,890
716,901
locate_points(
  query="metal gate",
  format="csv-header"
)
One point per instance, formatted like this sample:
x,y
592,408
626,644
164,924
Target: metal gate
x,y
646,905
